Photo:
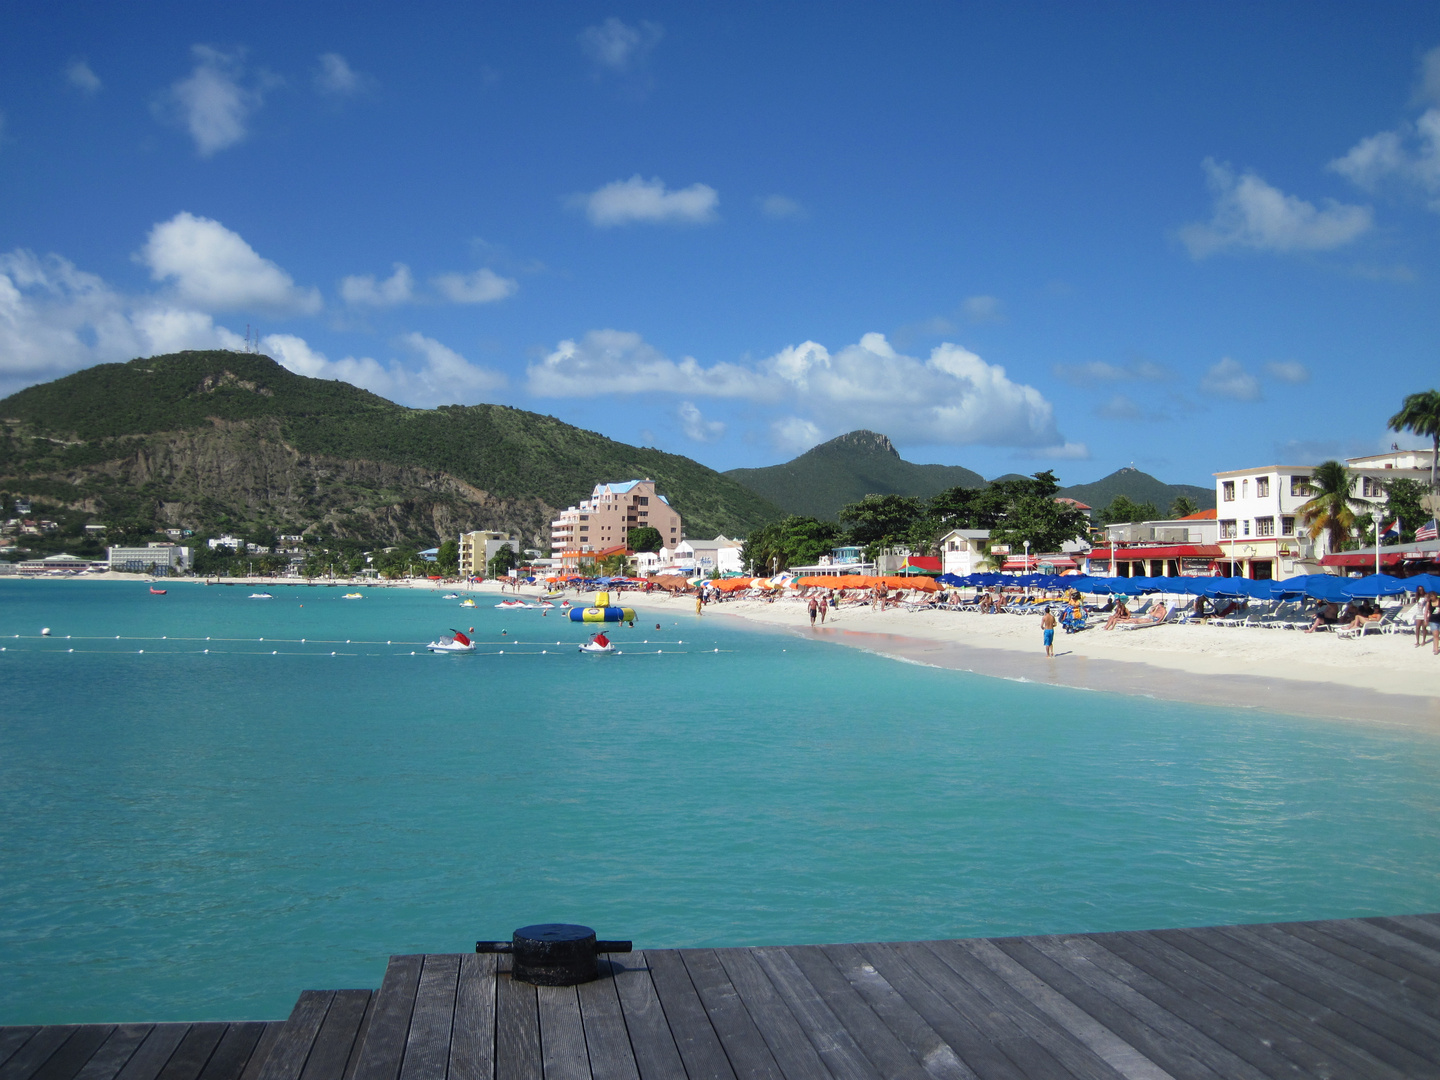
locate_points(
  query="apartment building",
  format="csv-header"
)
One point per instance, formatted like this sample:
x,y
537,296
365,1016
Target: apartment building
x,y
1262,531
477,548
603,521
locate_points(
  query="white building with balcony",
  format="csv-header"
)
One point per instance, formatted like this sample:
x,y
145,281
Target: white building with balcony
x,y
1262,530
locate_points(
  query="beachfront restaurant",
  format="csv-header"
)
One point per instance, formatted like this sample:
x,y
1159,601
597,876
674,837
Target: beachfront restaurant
x,y
1182,547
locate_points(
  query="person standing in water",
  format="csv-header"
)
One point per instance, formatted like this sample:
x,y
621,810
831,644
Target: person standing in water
x,y
1047,624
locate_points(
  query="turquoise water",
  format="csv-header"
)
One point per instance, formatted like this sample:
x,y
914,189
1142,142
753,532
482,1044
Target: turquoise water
x,y
187,835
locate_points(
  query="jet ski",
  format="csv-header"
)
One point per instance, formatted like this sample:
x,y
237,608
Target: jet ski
x,y
599,645
456,643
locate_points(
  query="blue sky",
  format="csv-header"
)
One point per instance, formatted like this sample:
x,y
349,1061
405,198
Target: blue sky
x,y
1189,237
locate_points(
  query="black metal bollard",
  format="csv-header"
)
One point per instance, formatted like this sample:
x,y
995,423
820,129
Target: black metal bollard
x,y
553,954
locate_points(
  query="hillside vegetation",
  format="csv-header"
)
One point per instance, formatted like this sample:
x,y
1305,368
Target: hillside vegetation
x,y
233,440
844,470
1139,487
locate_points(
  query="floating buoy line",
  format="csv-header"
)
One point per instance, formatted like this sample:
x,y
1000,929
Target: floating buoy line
x,y
233,646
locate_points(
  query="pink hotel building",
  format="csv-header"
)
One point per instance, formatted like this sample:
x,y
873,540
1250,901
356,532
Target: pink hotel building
x,y
602,522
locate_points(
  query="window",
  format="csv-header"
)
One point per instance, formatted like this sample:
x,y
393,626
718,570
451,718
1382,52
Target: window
x,y
1370,488
1300,486
1244,489
1227,530
1227,492
1262,487
643,500
1287,527
1245,526
1265,526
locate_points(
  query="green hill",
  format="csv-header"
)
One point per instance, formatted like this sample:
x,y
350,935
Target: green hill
x,y
1138,487
225,440
823,479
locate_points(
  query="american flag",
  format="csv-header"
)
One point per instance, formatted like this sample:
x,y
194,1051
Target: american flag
x,y
1428,531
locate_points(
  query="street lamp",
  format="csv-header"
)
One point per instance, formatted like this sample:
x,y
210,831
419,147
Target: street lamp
x,y
1027,556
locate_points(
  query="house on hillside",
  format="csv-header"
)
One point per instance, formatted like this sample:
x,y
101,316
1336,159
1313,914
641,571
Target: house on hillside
x,y
604,521
1076,504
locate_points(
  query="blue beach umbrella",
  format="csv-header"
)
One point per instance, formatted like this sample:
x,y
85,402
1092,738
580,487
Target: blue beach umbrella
x,y
1378,585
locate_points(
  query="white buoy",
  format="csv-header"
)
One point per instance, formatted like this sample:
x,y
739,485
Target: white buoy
x,y
142,652
45,632
207,650
274,652
69,650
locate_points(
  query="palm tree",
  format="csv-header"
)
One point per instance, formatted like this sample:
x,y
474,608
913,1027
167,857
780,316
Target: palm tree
x,y
1183,506
1332,506
1420,414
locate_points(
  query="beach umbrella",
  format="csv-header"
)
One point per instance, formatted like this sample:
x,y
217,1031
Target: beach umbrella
x,y
1378,585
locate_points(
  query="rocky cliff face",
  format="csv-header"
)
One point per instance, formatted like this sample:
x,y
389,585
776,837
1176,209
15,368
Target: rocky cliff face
x,y
245,471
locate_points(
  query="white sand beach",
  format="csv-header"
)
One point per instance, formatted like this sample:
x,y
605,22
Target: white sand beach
x,y
1380,677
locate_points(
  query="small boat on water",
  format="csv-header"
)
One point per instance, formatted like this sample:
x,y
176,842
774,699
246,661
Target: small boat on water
x,y
157,592
467,602
353,596
513,604
457,642
451,596
546,604
261,596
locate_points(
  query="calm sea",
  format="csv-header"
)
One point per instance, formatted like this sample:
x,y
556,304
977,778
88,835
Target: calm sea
x,y
201,835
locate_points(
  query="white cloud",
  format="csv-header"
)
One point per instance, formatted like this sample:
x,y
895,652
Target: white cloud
x,y
624,202
1290,371
79,75
213,103
443,377
1227,379
781,207
484,286
618,47
952,397
365,291
215,269
1249,213
1098,371
794,434
1119,407
56,318
621,362
336,78
982,309
1062,452
1410,156
697,428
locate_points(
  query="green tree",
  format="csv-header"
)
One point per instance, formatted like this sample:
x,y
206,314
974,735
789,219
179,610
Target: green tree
x,y
611,565
502,562
881,519
1402,503
1183,507
794,541
644,538
1332,506
1420,413
1123,510
447,559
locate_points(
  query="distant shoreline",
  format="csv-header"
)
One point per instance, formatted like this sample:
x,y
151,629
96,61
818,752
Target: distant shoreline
x,y
1378,678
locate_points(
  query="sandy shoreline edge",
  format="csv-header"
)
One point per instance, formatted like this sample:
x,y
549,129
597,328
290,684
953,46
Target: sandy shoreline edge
x,y
1378,678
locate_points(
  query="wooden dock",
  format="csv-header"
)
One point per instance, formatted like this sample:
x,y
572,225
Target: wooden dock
x,y
1343,998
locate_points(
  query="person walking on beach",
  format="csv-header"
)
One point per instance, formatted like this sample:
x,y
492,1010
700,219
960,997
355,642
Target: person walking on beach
x,y
1424,604
814,610
1047,624
824,607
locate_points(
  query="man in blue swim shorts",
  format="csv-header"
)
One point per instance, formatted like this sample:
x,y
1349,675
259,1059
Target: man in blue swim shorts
x,y
1047,624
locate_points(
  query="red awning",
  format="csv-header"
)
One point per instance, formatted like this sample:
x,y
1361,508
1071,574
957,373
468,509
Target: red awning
x,y
1177,551
1360,558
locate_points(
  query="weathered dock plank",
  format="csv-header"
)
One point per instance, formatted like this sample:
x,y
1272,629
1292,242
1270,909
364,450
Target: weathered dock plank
x,y
1353,998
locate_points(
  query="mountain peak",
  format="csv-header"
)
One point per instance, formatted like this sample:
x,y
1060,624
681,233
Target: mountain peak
x,y
865,441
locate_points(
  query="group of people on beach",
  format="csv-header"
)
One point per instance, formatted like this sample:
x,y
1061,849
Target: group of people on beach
x,y
819,606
